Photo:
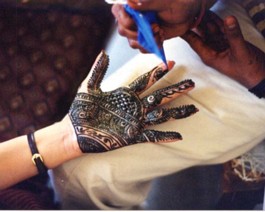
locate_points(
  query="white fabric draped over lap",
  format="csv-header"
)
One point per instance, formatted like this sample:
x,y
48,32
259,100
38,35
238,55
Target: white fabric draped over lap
x,y
229,123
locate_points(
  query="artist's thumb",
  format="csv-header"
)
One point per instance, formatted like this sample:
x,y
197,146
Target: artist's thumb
x,y
235,37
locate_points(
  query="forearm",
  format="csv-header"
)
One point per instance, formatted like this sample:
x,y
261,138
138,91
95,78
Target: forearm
x,y
56,144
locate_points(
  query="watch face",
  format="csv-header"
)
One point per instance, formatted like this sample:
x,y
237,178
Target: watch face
x,y
116,1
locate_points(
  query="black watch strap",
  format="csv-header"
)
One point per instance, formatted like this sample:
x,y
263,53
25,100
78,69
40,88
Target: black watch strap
x,y
36,157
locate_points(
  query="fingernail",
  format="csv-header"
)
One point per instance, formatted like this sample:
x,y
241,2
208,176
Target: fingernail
x,y
155,28
162,35
230,23
139,3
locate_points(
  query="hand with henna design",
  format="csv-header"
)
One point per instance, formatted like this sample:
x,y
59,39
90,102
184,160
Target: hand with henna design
x,y
106,121
97,122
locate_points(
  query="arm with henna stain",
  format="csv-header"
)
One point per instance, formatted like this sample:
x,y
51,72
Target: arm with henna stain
x,y
98,122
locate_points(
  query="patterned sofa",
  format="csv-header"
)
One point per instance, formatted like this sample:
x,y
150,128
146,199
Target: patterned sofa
x,y
46,50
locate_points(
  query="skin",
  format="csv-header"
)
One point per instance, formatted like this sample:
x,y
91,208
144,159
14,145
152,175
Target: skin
x,y
219,43
105,121
56,143
175,18
98,122
236,58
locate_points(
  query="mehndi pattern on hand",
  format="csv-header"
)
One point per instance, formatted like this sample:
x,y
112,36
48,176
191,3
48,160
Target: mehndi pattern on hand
x,y
106,121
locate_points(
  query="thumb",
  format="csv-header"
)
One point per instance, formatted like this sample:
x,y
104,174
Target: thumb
x,y
235,38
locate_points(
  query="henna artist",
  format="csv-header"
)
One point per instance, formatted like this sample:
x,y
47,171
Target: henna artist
x,y
175,16
230,121
97,122
243,62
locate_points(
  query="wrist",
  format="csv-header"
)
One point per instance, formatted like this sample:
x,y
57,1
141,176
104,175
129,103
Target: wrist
x,y
259,89
70,143
57,143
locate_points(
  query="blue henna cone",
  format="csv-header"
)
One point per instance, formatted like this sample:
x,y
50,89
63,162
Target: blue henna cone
x,y
146,38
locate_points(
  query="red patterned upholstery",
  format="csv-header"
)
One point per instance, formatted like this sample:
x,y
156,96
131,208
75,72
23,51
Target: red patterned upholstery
x,y
46,51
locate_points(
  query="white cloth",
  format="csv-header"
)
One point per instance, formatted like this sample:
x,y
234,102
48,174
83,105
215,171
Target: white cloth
x,y
229,123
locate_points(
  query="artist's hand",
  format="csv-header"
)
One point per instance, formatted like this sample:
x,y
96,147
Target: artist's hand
x,y
175,18
221,45
106,121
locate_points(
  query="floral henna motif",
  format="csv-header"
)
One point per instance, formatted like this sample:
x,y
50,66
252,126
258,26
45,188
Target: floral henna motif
x,y
106,121
161,115
91,125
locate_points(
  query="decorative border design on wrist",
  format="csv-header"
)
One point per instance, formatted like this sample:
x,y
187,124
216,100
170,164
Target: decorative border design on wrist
x,y
259,89
37,159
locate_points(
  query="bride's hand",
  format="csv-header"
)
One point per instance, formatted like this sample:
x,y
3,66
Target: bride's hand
x,y
106,121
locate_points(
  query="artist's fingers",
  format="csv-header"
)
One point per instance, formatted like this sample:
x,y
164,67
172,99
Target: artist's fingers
x,y
238,45
98,71
199,46
143,82
211,30
158,136
126,25
135,45
127,33
162,115
123,18
133,37
211,24
167,94
217,20
158,35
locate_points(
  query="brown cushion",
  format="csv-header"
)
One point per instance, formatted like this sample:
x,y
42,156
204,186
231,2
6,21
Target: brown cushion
x,y
44,56
46,50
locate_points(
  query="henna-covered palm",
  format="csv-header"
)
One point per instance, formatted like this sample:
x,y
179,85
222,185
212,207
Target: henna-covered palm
x,y
106,121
